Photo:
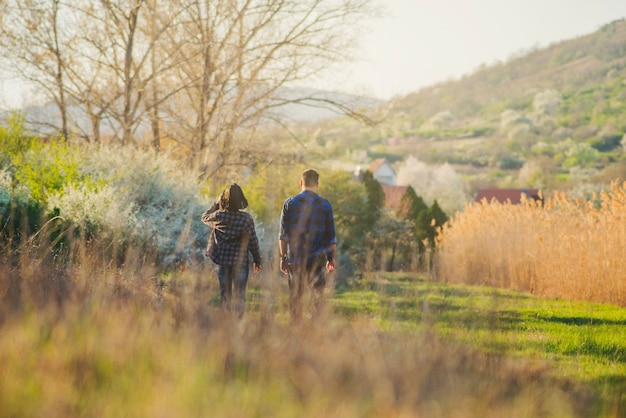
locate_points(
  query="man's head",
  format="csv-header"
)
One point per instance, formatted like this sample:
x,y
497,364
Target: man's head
x,y
310,179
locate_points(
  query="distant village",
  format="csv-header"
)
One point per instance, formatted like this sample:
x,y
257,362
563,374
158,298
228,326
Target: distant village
x,y
384,173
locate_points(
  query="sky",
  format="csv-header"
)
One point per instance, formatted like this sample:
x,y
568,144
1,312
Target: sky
x,y
422,42
417,43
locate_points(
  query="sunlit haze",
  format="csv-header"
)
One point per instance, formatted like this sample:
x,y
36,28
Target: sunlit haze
x,y
420,43
417,43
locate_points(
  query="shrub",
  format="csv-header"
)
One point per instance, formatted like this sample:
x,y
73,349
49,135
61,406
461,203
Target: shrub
x,y
14,140
48,168
154,200
20,216
606,143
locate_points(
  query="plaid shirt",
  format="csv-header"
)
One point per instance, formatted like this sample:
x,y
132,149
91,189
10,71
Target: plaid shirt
x,y
232,237
308,226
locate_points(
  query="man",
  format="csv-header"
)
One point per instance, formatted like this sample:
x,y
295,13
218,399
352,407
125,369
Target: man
x,y
307,243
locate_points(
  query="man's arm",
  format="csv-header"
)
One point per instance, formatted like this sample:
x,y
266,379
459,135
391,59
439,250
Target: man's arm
x,y
282,251
330,231
282,238
330,264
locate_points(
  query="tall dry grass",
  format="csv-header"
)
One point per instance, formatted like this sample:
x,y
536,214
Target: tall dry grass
x,y
93,338
565,248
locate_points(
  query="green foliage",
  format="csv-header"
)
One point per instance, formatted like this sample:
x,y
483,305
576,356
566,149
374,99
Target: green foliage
x,y
96,192
390,243
606,143
380,151
510,162
19,218
266,190
350,207
47,169
375,196
14,141
464,133
20,211
411,205
428,222
581,155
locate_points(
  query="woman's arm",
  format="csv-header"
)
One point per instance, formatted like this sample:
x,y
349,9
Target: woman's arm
x,y
209,211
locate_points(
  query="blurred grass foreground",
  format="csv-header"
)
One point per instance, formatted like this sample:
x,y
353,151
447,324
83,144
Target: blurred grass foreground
x,y
95,340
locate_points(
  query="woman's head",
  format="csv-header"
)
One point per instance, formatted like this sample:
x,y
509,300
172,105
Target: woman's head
x,y
232,199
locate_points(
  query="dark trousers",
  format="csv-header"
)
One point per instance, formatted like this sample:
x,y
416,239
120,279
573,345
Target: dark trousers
x,y
233,276
311,275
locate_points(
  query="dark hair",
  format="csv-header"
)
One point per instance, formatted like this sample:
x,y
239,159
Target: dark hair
x,y
232,199
310,177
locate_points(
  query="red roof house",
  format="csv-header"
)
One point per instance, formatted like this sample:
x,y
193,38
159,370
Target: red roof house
x,y
393,195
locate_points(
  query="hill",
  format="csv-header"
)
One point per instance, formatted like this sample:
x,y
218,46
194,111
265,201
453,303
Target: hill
x,y
567,66
552,118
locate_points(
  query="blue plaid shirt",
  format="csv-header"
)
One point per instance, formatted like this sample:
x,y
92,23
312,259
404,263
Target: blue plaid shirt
x,y
308,227
232,237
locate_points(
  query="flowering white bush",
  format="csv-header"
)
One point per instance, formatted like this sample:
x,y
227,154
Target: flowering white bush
x,y
441,183
510,118
144,193
547,102
438,121
10,192
97,207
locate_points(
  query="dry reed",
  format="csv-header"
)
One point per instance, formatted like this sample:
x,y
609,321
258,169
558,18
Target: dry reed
x,y
566,248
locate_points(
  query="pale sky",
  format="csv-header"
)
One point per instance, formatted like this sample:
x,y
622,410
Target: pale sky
x,y
423,42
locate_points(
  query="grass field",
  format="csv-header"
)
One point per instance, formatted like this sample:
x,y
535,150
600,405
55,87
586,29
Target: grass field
x,y
582,341
394,345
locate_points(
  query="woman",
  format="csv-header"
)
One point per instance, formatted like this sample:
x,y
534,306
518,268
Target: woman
x,y
232,238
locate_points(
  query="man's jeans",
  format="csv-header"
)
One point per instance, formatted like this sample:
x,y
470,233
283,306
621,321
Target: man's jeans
x,y
311,275
228,276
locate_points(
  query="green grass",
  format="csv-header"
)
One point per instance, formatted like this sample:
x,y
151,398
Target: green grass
x,y
393,345
585,342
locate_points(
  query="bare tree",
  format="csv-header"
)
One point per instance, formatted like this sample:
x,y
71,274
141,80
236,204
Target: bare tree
x,y
126,41
207,75
237,58
32,39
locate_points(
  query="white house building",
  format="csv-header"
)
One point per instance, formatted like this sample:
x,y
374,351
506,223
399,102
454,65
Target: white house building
x,y
383,172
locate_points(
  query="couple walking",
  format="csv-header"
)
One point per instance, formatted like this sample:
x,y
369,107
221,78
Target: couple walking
x,y
307,243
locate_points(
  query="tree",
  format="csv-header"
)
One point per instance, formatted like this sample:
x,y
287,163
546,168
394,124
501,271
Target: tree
x,y
349,201
429,222
33,39
581,155
389,241
237,62
208,75
411,205
375,196
122,44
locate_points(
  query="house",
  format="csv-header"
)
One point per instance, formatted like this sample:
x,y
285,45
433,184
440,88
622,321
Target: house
x,y
512,196
393,196
382,171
